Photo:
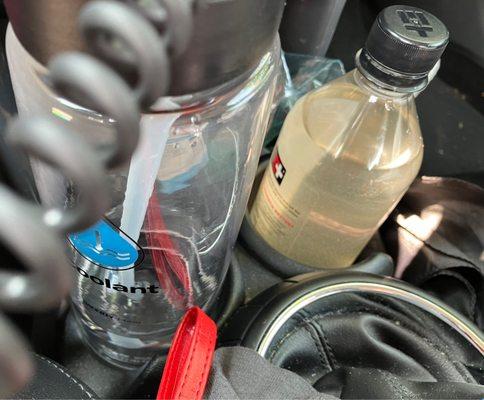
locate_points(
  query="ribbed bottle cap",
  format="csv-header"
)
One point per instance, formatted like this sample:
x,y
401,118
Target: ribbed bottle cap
x,y
407,39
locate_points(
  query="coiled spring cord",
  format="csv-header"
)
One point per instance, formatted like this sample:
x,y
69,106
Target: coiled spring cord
x,y
121,35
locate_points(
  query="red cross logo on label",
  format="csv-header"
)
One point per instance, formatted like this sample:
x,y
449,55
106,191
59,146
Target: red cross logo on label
x,y
278,168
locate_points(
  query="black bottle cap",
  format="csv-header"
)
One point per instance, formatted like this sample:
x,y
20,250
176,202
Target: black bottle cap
x,y
405,41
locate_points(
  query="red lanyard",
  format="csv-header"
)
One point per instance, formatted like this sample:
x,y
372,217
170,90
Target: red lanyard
x,y
190,358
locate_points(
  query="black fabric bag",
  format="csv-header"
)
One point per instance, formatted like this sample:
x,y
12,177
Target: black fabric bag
x,y
436,236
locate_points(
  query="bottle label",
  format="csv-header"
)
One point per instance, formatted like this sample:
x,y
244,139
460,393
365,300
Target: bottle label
x,y
278,168
106,246
272,212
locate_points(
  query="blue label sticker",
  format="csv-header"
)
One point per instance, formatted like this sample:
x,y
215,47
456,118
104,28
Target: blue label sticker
x,y
107,246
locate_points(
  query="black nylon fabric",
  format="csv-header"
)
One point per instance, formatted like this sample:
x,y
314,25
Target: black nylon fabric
x,y
436,236
240,373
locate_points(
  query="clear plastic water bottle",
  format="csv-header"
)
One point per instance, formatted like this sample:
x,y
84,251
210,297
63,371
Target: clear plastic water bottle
x,y
166,242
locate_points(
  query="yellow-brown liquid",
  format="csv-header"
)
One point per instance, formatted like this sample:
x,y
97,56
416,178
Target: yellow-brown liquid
x,y
349,155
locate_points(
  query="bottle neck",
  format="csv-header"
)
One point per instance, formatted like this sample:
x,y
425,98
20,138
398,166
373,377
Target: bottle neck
x,y
387,79
379,90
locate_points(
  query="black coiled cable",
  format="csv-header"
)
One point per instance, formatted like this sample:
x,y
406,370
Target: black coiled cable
x,y
120,34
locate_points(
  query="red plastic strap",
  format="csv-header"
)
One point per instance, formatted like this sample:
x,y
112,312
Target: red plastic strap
x,y
171,268
190,358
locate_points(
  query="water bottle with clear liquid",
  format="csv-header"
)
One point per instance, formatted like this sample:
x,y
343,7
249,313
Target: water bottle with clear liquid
x,y
166,242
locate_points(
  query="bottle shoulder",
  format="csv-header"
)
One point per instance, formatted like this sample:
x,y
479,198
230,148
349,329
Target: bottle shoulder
x,y
352,89
347,119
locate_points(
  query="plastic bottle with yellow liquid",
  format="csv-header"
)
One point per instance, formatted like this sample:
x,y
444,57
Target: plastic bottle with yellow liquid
x,y
349,150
